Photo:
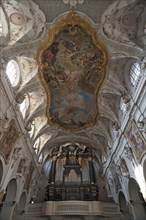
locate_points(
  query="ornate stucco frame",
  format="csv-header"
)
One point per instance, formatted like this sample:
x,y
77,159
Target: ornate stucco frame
x,y
72,19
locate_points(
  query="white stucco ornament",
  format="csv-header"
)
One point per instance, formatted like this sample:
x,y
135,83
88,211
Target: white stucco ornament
x,y
73,3
3,26
24,18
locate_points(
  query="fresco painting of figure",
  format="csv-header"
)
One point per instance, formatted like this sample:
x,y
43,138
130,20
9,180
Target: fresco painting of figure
x,y
9,139
124,168
136,140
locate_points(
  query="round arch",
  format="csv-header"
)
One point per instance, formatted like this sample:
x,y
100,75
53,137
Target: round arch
x,y
9,200
124,207
13,72
137,200
20,208
22,201
127,77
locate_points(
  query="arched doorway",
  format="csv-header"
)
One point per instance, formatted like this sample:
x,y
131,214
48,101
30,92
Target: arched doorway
x,y
137,201
20,208
144,169
9,200
123,207
1,171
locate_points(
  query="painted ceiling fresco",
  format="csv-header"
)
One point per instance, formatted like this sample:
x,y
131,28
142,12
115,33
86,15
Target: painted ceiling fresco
x,y
72,67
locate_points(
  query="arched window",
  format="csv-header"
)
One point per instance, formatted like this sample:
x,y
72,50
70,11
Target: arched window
x,y
134,73
13,72
24,106
123,106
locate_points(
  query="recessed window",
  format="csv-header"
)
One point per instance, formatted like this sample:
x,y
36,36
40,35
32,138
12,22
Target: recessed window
x,y
13,72
24,106
134,73
123,106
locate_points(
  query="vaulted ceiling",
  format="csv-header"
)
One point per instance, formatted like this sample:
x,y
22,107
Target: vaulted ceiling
x,y
100,45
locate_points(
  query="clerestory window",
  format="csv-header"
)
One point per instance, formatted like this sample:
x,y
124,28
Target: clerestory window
x,y
134,73
13,72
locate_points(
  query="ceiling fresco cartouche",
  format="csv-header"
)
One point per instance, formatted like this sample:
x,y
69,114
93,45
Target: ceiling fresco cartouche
x,y
72,68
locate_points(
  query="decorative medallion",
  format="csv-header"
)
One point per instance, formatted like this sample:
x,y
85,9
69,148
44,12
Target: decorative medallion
x,y
72,68
73,3
130,19
17,19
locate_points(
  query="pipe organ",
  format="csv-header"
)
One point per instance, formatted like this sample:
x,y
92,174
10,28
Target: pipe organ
x,y
72,175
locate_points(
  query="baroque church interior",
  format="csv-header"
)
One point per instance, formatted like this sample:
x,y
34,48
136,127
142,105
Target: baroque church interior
x,y
84,159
